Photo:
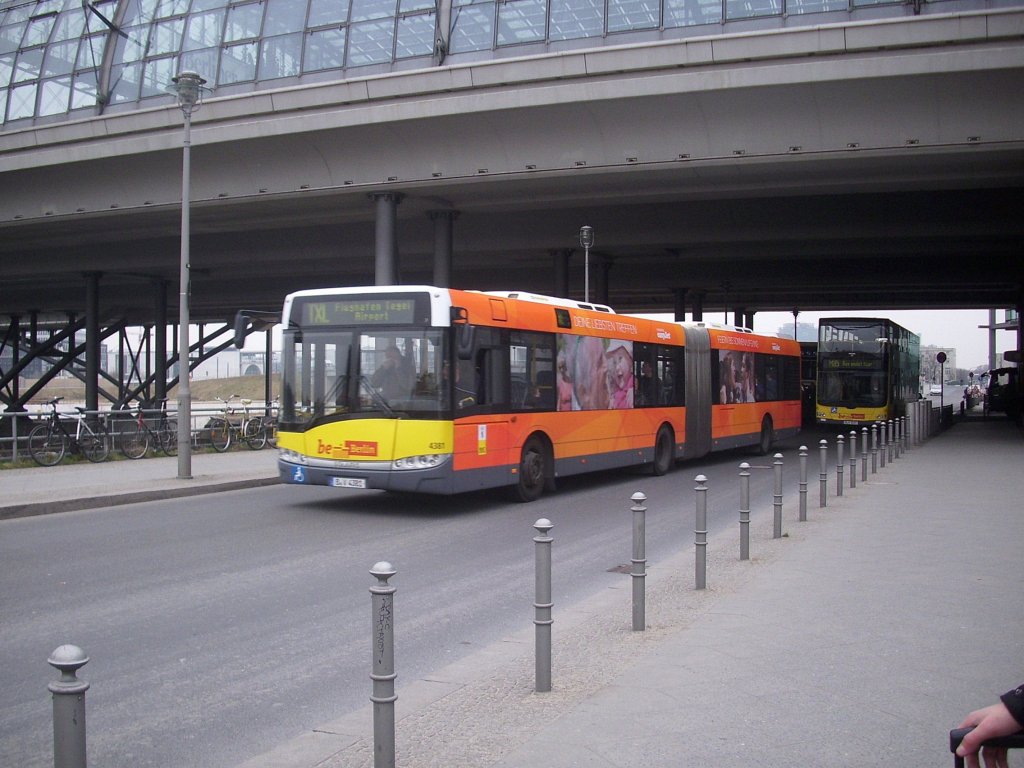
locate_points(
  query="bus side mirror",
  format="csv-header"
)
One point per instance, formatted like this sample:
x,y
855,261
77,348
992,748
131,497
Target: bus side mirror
x,y
465,336
250,320
241,329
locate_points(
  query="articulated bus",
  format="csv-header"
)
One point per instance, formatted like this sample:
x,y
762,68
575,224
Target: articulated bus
x,y
868,370
434,390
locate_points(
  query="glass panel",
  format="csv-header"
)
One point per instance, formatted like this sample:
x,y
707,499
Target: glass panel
x,y
55,96
238,64
203,61
686,13
132,48
60,58
167,8
6,69
363,10
208,5
415,36
746,9
28,65
406,6
325,49
23,102
10,37
138,12
157,76
472,28
38,31
862,3
90,52
521,21
244,22
370,42
571,19
124,82
279,56
166,37
284,16
204,30
84,91
633,14
69,26
327,12
815,6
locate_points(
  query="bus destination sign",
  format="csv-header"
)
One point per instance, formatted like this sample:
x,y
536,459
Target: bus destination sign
x,y
845,364
362,311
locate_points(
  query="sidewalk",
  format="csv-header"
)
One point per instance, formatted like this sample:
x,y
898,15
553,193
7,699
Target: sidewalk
x,y
858,639
67,487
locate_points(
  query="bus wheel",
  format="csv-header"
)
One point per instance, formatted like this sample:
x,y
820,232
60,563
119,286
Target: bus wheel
x,y
532,466
764,445
663,452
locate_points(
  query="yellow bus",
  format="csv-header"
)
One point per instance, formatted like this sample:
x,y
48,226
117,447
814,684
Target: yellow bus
x,y
868,369
436,390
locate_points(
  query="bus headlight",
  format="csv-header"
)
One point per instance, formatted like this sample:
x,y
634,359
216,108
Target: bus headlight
x,y
291,456
427,461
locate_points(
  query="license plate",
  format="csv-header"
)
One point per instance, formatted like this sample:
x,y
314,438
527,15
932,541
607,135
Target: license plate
x,y
348,482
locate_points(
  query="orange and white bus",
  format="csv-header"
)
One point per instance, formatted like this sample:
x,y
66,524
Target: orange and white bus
x,y
435,390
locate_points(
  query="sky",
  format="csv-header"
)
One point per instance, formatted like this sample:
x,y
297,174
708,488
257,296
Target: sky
x,y
956,328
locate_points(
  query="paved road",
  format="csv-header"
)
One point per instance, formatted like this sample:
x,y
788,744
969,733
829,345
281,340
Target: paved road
x,y
220,626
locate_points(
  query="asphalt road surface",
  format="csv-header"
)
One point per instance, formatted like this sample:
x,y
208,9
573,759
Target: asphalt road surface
x,y
220,626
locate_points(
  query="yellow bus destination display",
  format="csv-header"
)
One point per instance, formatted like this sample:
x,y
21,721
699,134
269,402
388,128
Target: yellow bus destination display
x,y
389,310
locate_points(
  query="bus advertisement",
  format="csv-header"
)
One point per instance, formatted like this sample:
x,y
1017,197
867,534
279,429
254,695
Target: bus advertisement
x,y
868,370
436,390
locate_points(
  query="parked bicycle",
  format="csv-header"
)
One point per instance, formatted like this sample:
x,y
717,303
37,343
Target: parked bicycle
x,y
222,430
137,438
50,441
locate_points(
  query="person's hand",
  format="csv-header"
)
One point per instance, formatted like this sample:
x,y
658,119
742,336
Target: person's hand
x,y
988,723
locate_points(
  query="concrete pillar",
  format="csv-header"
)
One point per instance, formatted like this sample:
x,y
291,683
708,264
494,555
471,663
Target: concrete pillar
x,y
679,304
386,250
561,264
604,268
698,305
443,228
160,339
92,341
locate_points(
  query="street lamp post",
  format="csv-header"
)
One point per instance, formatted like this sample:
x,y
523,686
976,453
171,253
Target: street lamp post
x,y
587,241
188,87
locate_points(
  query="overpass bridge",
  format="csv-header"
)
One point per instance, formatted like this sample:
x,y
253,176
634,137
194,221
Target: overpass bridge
x,y
869,156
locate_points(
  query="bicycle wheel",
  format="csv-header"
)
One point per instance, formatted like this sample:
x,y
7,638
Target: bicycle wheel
x,y
219,431
169,437
255,433
95,444
46,445
134,441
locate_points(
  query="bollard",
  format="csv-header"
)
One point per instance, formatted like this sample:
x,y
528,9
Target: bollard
x,y
903,434
839,465
701,532
744,511
823,472
864,454
803,483
542,606
881,444
874,449
896,438
68,707
639,571
383,672
777,500
853,458
890,439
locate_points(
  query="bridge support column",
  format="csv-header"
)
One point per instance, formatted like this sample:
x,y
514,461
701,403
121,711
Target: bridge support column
x,y
561,262
679,304
739,316
160,338
92,340
386,262
698,305
443,227
603,272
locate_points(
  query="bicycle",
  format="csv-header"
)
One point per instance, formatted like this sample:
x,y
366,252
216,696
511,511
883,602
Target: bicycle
x,y
50,441
221,430
137,438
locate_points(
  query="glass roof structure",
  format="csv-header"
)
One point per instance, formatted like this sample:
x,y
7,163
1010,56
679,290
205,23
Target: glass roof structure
x,y
68,58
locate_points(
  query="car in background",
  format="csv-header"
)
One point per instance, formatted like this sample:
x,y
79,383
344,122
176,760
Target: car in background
x,y
936,389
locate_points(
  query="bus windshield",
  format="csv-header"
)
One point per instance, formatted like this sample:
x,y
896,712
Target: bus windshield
x,y
333,373
853,364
